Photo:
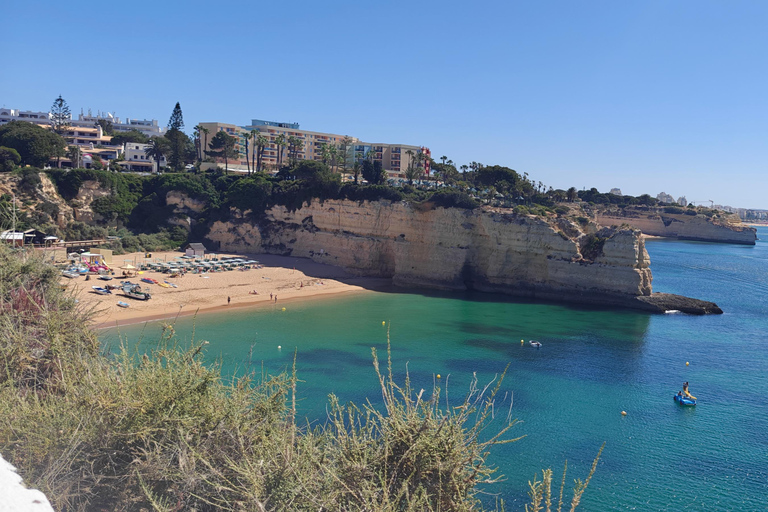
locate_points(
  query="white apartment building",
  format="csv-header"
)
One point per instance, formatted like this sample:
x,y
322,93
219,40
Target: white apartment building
x,y
137,160
148,127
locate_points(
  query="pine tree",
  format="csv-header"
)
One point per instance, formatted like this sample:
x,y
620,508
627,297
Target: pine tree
x,y
176,122
60,115
176,138
60,118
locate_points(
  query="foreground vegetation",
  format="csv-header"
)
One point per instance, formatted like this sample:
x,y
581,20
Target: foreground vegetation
x,y
164,431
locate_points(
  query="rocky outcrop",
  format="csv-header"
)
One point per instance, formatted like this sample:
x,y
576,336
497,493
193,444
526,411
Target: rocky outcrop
x,y
668,302
657,222
41,198
89,191
455,249
185,209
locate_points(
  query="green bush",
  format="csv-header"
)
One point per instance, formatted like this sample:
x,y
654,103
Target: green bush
x,y
592,247
451,198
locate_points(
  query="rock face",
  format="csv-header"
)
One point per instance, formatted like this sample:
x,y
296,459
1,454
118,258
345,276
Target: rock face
x,y
654,221
454,249
185,209
89,191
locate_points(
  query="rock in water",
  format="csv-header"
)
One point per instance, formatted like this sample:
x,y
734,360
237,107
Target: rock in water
x,y
661,302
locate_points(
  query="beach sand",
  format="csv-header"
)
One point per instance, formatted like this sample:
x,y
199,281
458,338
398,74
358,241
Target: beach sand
x,y
288,278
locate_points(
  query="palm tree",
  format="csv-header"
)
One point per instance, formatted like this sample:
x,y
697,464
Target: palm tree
x,y
324,152
247,137
464,169
156,150
254,137
344,147
204,147
279,145
295,145
571,194
261,143
198,147
356,170
75,155
410,171
333,153
443,158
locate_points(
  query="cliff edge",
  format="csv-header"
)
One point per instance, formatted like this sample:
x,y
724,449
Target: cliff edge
x,y
455,249
687,225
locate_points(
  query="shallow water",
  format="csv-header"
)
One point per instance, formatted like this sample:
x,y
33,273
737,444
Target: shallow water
x,y
568,394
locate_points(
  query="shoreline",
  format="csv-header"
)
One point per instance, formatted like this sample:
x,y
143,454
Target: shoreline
x,y
222,308
279,280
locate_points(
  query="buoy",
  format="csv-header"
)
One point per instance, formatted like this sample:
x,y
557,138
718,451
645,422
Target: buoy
x,y
283,309
623,413
438,375
279,347
383,322
687,363
522,342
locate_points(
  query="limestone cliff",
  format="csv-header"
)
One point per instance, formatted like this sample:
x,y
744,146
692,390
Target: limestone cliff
x,y
655,221
453,248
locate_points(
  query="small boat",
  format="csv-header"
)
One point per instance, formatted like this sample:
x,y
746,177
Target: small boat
x,y
684,400
101,291
105,278
172,285
149,280
122,304
164,285
70,275
134,291
535,343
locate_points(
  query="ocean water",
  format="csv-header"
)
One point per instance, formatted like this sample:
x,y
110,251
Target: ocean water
x,y
567,395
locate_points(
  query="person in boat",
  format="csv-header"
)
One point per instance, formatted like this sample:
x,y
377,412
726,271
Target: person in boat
x,y
686,392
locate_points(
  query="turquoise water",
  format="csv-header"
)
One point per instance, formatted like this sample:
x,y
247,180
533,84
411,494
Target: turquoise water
x,y
569,394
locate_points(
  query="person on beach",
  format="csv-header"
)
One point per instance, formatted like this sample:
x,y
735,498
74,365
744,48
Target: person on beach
x,y
270,296
229,299
275,299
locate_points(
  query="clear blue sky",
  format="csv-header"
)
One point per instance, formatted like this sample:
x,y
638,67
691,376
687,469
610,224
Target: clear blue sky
x,y
645,95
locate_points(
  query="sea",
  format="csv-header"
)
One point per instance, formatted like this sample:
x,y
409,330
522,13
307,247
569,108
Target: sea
x,y
568,395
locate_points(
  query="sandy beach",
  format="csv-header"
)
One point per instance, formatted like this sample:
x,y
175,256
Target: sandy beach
x,y
281,280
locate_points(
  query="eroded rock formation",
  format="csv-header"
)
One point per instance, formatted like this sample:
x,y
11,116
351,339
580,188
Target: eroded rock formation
x,y
655,221
454,249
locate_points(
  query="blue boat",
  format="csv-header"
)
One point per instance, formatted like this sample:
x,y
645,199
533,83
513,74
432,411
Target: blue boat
x,y
683,400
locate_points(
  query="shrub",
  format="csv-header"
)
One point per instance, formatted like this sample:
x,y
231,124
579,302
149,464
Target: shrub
x,y
451,198
592,247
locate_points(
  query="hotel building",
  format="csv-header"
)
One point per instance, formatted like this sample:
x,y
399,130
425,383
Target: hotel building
x,y
394,158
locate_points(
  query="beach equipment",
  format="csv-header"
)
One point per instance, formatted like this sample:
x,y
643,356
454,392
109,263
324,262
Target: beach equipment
x,y
101,291
122,304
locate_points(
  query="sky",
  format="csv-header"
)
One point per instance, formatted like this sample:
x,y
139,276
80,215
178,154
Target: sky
x,y
644,95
